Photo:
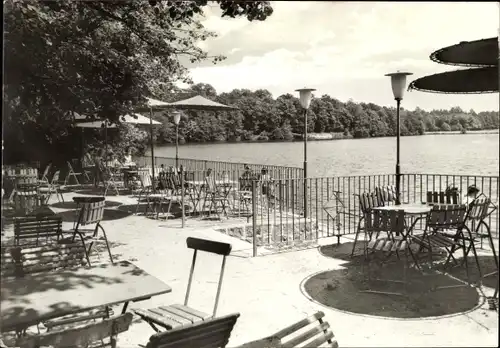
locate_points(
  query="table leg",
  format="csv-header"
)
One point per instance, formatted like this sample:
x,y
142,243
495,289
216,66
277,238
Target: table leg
x,y
124,309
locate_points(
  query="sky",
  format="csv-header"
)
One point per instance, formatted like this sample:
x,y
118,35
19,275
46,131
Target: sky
x,y
343,49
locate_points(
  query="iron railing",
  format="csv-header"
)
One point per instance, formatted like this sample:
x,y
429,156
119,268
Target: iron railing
x,y
333,205
195,165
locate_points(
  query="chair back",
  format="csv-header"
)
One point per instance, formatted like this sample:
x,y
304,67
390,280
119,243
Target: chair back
x,y
367,201
208,246
81,336
386,194
145,177
55,177
176,180
479,208
447,197
447,216
46,172
211,333
91,212
210,182
390,221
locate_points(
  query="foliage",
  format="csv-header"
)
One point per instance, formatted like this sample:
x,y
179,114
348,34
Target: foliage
x,y
262,118
96,58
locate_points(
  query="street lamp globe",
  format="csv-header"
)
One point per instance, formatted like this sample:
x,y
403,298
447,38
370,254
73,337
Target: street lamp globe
x,y
398,82
177,117
305,96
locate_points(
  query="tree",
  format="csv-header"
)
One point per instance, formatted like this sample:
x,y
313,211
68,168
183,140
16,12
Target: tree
x,y
98,58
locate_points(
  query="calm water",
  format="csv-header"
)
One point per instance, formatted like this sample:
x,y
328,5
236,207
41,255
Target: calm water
x,y
473,154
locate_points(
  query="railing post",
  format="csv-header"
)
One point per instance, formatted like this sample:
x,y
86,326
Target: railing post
x,y
254,217
182,196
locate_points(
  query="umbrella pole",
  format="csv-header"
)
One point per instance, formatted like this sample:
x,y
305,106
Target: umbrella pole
x,y
106,143
152,146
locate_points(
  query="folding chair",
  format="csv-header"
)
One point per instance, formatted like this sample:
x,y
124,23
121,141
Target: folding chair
x,y
44,180
109,180
367,201
177,315
216,196
72,174
387,194
440,220
52,187
91,212
391,223
479,211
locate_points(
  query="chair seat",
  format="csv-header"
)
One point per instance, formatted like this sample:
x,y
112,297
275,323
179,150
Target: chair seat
x,y
173,316
387,244
434,241
46,190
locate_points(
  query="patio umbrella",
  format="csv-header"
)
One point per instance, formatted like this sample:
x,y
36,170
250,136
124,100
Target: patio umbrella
x,y
95,124
152,105
479,53
466,81
200,103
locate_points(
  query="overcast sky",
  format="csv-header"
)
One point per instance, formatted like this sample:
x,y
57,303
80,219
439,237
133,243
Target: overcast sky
x,y
344,49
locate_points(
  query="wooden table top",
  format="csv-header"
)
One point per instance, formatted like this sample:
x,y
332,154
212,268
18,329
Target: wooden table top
x,y
217,182
411,208
29,300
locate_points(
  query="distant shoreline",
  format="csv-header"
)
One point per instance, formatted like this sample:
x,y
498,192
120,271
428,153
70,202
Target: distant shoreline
x,y
485,131
328,136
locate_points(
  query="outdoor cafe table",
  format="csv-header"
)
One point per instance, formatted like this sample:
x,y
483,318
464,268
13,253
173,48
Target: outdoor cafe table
x,y
415,211
32,299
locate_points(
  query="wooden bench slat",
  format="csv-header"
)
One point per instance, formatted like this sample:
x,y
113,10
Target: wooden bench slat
x,y
182,314
307,335
157,319
192,311
171,316
322,339
304,322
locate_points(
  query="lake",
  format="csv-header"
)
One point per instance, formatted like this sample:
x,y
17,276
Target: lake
x,y
468,154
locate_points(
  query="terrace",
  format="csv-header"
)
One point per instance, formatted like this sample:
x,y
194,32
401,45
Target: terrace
x,y
284,263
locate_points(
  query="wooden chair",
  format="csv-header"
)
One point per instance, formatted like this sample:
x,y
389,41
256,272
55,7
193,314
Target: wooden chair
x,y
211,333
314,332
392,224
52,187
174,316
477,215
91,212
20,261
367,201
33,228
217,196
80,336
26,198
447,197
387,194
440,221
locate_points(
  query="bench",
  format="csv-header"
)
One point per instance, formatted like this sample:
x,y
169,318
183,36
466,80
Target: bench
x,y
81,336
20,261
309,332
213,333
34,228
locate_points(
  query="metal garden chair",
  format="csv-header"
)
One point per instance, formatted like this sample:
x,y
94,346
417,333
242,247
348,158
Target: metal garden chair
x,y
387,194
367,201
393,225
444,229
53,187
177,315
90,213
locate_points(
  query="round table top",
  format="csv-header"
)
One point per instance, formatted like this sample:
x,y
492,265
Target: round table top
x,y
88,199
411,208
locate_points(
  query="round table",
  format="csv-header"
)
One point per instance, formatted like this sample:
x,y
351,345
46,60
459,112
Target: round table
x,y
410,209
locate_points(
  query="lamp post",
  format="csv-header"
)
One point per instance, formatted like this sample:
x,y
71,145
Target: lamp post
x,y
177,119
305,95
398,82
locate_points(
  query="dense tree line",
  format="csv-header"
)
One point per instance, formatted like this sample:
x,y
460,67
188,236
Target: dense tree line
x,y
261,117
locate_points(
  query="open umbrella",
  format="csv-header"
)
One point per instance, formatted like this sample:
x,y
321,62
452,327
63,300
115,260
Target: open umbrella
x,y
465,81
200,103
480,53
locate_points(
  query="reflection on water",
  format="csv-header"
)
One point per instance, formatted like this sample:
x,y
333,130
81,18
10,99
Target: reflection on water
x,y
441,154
